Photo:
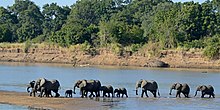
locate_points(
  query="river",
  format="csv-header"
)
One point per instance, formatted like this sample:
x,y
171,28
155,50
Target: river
x,y
15,77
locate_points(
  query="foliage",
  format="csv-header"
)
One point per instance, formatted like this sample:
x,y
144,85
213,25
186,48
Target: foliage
x,y
118,24
212,50
27,46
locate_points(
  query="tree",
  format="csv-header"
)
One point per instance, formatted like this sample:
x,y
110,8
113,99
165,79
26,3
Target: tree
x,y
82,22
54,17
161,25
30,19
7,26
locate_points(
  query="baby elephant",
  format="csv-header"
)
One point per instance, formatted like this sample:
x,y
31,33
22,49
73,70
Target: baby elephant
x,y
209,90
181,88
69,93
120,91
107,89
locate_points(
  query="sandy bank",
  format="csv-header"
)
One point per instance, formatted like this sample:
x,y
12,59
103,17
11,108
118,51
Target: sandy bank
x,y
174,58
23,99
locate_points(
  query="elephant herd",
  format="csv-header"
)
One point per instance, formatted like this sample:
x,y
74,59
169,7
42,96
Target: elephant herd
x,y
94,87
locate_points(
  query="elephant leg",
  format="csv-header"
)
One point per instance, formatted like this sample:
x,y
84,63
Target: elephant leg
x,y
103,94
154,93
203,94
146,93
108,94
213,95
126,94
118,95
142,93
91,94
178,94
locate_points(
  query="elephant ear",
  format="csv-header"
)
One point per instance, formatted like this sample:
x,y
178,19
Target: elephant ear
x,y
144,83
42,81
83,83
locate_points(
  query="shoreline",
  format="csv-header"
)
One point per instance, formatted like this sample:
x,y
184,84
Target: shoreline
x,y
107,66
205,70
105,57
61,103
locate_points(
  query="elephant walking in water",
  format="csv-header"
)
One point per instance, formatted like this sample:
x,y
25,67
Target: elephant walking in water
x,y
147,85
121,92
209,90
88,86
44,85
181,88
107,89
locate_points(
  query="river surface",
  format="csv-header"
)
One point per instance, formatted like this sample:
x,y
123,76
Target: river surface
x,y
15,78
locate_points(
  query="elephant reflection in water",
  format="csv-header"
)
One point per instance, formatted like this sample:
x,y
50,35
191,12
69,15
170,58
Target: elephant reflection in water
x,y
181,88
205,90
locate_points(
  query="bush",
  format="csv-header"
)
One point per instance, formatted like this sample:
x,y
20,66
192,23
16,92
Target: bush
x,y
27,45
212,50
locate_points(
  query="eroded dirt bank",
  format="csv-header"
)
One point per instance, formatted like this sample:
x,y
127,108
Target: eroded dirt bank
x,y
23,99
54,54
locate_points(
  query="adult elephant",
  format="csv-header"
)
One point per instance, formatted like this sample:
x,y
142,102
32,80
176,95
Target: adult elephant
x,y
181,88
209,90
88,86
44,85
147,85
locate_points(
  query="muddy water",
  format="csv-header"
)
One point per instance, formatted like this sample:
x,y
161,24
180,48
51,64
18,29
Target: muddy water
x,y
15,78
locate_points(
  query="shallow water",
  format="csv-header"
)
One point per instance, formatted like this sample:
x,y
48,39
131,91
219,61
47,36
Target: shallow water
x,y
16,77
11,107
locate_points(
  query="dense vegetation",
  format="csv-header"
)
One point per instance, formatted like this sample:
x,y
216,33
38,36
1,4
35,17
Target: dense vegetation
x,y
119,23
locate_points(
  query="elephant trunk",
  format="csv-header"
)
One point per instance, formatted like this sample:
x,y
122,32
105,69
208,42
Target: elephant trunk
x,y
136,91
170,91
195,93
137,86
74,89
28,89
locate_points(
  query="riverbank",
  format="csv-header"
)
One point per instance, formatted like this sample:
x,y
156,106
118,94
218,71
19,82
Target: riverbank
x,y
23,99
76,57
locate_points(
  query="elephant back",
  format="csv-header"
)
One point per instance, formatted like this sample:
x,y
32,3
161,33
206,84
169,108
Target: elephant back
x,y
185,87
210,88
110,88
52,84
151,85
55,83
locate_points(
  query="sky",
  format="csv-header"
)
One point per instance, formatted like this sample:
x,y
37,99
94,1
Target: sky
x,y
40,3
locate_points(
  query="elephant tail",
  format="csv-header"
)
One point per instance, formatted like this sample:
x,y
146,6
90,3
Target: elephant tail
x,y
158,92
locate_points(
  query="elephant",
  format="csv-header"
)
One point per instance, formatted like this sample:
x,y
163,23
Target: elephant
x,y
147,85
44,85
88,86
34,90
31,85
181,88
68,93
209,90
107,89
120,91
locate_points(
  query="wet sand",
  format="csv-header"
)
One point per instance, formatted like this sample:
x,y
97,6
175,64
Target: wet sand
x,y
23,99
